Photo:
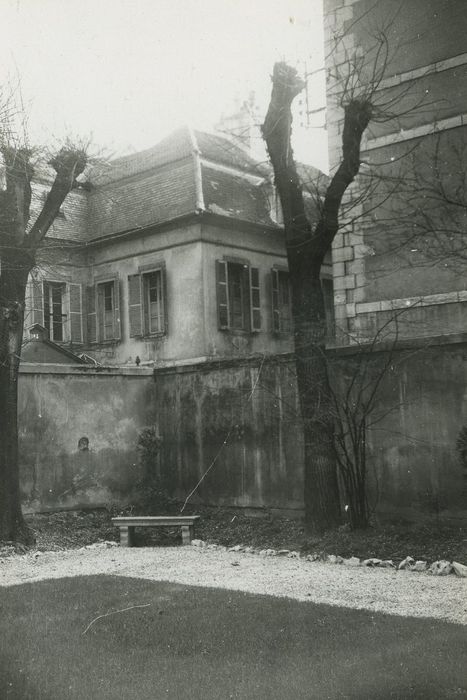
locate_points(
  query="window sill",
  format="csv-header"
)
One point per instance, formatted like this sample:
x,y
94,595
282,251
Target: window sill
x,y
238,331
105,342
149,336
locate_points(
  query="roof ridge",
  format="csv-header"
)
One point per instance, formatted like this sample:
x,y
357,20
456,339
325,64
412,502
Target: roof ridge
x,y
196,155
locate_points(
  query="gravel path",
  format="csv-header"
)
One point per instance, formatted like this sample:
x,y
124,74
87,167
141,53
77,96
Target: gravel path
x,y
409,594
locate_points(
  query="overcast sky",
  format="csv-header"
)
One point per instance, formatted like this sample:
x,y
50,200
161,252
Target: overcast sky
x,y
130,71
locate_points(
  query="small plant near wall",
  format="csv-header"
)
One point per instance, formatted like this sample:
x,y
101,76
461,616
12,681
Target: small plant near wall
x,y
153,497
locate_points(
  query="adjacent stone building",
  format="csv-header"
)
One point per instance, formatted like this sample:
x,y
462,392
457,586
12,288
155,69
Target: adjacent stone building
x,y
404,244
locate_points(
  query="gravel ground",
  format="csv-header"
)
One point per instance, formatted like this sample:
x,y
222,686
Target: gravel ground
x,y
409,594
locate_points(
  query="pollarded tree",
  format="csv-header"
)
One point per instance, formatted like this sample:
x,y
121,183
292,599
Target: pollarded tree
x,y
20,240
355,83
306,247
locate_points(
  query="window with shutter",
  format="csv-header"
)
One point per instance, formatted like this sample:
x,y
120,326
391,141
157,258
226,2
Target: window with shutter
x,y
91,315
37,301
154,302
147,303
55,316
108,311
281,301
255,308
238,296
75,312
135,306
223,310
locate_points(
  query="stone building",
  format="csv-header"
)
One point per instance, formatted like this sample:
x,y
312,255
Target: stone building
x,y
403,246
399,260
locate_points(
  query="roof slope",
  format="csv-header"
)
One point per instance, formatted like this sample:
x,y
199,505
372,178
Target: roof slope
x,y
235,196
160,184
151,198
186,172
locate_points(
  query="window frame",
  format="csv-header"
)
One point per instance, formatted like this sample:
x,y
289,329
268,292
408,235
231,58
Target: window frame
x,y
47,302
277,325
72,311
138,311
95,327
251,296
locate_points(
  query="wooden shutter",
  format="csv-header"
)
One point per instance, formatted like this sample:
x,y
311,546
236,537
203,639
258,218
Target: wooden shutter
x,y
117,329
164,300
91,315
75,312
223,310
37,294
135,306
255,305
276,317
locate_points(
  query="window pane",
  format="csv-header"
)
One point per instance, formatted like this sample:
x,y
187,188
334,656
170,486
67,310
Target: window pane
x,y
284,303
105,298
154,309
236,296
54,317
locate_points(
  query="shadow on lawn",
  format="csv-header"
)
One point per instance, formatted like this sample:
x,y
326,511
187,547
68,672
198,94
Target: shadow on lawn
x,y
198,643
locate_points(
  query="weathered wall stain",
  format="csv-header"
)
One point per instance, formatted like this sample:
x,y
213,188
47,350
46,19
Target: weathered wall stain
x,y
242,418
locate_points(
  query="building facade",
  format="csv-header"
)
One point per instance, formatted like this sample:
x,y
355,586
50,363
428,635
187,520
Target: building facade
x,y
174,254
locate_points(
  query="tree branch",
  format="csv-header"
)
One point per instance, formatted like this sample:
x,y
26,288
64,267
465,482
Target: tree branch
x,y
68,164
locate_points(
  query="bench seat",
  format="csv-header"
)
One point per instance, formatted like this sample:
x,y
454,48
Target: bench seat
x,y
127,525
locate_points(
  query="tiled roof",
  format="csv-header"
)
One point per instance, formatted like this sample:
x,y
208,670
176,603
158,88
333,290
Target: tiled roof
x,y
219,149
160,184
151,198
235,196
71,224
176,146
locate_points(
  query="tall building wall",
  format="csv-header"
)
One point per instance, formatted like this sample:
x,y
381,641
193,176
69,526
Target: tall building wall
x,y
401,249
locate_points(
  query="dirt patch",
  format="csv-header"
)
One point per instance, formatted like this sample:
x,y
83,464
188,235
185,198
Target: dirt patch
x,y
228,527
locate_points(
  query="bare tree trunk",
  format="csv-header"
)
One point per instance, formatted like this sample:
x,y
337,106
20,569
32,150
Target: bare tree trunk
x,y
12,287
306,248
18,246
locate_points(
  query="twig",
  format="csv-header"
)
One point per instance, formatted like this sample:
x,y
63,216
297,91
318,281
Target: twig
x,y
114,612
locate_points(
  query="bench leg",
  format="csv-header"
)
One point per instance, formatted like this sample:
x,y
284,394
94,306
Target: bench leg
x,y
126,536
187,534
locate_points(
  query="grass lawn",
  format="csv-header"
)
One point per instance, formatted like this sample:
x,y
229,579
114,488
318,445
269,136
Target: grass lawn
x,y
197,643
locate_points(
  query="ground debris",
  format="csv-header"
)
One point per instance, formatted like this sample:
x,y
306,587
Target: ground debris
x,y
440,568
459,569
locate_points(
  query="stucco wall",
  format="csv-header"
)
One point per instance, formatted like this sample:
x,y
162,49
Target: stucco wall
x,y
262,250
58,405
413,468
239,423
234,426
180,252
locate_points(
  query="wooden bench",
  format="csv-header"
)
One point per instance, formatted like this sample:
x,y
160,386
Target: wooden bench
x,y
127,526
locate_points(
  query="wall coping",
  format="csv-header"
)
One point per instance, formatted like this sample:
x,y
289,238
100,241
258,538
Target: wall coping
x,y
210,364
56,368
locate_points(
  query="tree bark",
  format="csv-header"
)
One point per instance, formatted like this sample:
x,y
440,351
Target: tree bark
x,y
12,295
17,254
306,248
